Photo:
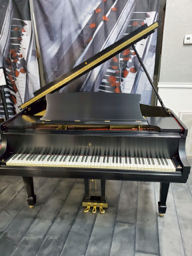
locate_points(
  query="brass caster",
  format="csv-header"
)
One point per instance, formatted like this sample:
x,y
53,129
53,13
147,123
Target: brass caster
x,y
101,209
31,206
94,208
161,215
87,209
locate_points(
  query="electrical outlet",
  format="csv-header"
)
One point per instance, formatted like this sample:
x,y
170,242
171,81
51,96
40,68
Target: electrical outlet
x,y
188,39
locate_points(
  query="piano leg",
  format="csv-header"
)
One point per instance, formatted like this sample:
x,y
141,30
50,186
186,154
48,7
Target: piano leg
x,y
164,188
86,183
31,199
103,190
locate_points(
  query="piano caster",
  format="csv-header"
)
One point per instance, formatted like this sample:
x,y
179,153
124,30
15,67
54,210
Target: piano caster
x,y
88,208
31,206
94,208
161,215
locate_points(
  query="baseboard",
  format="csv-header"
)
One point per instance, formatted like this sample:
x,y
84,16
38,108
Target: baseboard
x,y
175,85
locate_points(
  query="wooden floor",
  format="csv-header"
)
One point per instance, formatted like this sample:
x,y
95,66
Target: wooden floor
x,y
58,225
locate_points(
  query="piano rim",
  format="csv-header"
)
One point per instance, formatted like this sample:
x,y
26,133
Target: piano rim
x,y
106,174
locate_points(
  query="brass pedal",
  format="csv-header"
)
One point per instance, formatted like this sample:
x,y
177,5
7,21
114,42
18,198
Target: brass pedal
x,y
95,205
101,209
94,208
88,208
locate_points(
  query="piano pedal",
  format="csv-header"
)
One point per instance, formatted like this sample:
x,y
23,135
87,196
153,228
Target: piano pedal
x,y
161,215
95,202
101,208
94,208
31,206
88,208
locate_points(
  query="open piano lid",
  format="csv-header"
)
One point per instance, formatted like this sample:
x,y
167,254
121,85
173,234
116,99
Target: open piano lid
x,y
97,108
91,63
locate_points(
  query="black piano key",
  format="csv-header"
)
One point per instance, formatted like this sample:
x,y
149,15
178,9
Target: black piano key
x,y
135,160
143,160
162,161
40,158
92,157
49,157
43,158
148,161
129,160
15,156
20,156
23,156
107,156
84,155
96,155
65,157
75,155
31,157
35,157
125,159
152,160
98,159
104,156
78,155
70,158
87,155
55,159
158,161
166,161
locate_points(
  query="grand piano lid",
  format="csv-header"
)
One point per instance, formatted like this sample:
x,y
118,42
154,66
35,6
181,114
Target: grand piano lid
x,y
89,64
92,107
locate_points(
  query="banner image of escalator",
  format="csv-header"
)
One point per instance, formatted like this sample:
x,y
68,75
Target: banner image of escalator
x,y
76,30
17,54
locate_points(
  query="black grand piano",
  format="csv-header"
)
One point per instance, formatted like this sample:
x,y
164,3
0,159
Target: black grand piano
x,y
95,136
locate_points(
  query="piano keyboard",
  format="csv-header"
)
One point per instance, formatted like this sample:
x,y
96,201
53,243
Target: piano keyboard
x,y
92,161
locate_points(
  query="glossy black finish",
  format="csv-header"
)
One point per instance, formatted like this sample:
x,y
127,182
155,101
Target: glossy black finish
x,y
164,188
168,124
87,107
86,183
143,144
165,137
28,183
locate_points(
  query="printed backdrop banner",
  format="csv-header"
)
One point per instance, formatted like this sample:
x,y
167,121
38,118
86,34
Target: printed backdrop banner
x,y
17,54
72,31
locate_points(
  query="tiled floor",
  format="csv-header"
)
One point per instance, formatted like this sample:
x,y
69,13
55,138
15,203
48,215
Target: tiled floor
x,y
58,225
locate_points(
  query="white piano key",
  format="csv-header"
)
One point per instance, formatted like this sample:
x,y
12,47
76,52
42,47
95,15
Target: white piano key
x,y
157,164
171,165
133,165
121,163
126,163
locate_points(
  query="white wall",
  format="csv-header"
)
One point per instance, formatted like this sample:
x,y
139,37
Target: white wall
x,y
177,97
176,60
175,83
